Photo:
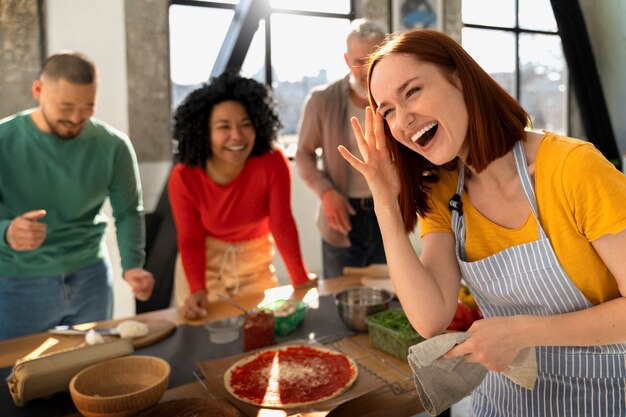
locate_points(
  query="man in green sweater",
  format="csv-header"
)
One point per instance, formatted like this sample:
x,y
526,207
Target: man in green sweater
x,y
58,164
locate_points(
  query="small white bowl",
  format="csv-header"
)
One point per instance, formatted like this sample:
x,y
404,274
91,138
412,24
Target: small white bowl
x,y
224,330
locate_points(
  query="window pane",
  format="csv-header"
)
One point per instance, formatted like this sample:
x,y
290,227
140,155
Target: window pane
x,y
328,6
196,36
537,15
254,63
221,1
317,60
543,81
494,50
500,12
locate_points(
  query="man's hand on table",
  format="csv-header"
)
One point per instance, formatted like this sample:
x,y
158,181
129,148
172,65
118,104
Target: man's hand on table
x,y
312,282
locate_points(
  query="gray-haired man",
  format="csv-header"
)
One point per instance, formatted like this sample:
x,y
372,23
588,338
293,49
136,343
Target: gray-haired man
x,y
346,219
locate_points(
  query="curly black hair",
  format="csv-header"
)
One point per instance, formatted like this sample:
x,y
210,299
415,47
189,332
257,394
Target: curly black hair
x,y
191,119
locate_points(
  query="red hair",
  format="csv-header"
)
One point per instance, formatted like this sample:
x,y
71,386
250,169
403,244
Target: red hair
x,y
496,120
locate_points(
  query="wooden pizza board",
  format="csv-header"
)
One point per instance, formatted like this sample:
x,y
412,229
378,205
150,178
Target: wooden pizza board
x,y
213,372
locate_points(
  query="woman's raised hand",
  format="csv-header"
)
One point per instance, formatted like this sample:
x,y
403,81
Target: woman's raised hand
x,y
377,166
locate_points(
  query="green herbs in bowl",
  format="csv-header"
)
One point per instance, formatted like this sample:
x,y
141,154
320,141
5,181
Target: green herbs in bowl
x,y
288,315
391,332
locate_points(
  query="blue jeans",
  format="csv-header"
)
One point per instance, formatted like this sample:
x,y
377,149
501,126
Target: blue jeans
x,y
35,304
366,242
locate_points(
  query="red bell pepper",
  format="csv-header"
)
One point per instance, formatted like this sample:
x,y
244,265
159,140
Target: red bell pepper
x,y
463,317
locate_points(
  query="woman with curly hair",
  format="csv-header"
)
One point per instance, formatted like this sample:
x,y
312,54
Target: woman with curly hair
x,y
230,194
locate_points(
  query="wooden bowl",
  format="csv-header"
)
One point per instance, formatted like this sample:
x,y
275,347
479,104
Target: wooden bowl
x,y
120,387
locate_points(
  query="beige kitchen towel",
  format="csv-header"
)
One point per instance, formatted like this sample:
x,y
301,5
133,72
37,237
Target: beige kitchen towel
x,y
441,383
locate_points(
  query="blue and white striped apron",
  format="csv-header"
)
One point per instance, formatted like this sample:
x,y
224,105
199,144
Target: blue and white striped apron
x,y
528,280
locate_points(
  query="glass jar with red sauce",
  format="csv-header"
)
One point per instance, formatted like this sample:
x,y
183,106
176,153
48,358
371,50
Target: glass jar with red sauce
x,y
258,330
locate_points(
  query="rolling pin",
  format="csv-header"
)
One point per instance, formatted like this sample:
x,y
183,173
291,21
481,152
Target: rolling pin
x,y
373,270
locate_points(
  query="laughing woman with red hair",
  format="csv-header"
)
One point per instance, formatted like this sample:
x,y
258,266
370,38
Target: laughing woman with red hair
x,y
534,223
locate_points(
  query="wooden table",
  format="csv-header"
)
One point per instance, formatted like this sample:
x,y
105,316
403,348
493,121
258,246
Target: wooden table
x,y
380,402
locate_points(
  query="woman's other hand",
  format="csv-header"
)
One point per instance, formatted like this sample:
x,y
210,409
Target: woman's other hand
x,y
196,305
377,166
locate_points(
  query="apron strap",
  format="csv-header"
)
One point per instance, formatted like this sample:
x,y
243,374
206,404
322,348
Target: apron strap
x,y
458,221
527,184
232,251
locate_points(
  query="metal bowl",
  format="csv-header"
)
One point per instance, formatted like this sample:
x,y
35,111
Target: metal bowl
x,y
355,304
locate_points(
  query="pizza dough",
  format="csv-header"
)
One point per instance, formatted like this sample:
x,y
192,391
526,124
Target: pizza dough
x,y
290,376
93,337
129,329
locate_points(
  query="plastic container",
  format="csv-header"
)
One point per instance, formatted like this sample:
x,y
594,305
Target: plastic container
x,y
224,330
391,332
288,315
258,330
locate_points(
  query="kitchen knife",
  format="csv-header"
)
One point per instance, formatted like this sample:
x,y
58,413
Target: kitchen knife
x,y
105,331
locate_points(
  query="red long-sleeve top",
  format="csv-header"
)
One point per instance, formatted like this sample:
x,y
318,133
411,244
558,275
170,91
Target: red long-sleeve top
x,y
256,202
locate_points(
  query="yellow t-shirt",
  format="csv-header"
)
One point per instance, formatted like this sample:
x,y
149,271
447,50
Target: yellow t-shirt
x,y
580,197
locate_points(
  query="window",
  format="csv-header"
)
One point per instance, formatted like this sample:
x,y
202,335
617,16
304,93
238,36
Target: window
x,y
196,34
518,45
301,41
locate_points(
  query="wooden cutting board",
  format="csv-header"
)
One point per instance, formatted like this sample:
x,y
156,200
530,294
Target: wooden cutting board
x,y
373,271
191,407
157,331
384,283
43,343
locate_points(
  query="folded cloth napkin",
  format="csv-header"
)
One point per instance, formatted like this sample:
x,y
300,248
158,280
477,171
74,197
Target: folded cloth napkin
x,y
441,383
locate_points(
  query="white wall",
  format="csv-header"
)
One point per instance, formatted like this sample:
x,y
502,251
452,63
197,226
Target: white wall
x,y
97,28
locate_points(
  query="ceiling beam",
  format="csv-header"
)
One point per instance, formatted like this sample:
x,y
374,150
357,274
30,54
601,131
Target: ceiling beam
x,y
242,28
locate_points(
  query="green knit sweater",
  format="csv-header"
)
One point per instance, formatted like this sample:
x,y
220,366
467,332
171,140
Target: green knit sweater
x,y
70,179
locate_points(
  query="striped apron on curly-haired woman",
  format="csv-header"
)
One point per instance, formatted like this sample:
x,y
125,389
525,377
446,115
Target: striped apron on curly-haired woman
x,y
528,280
